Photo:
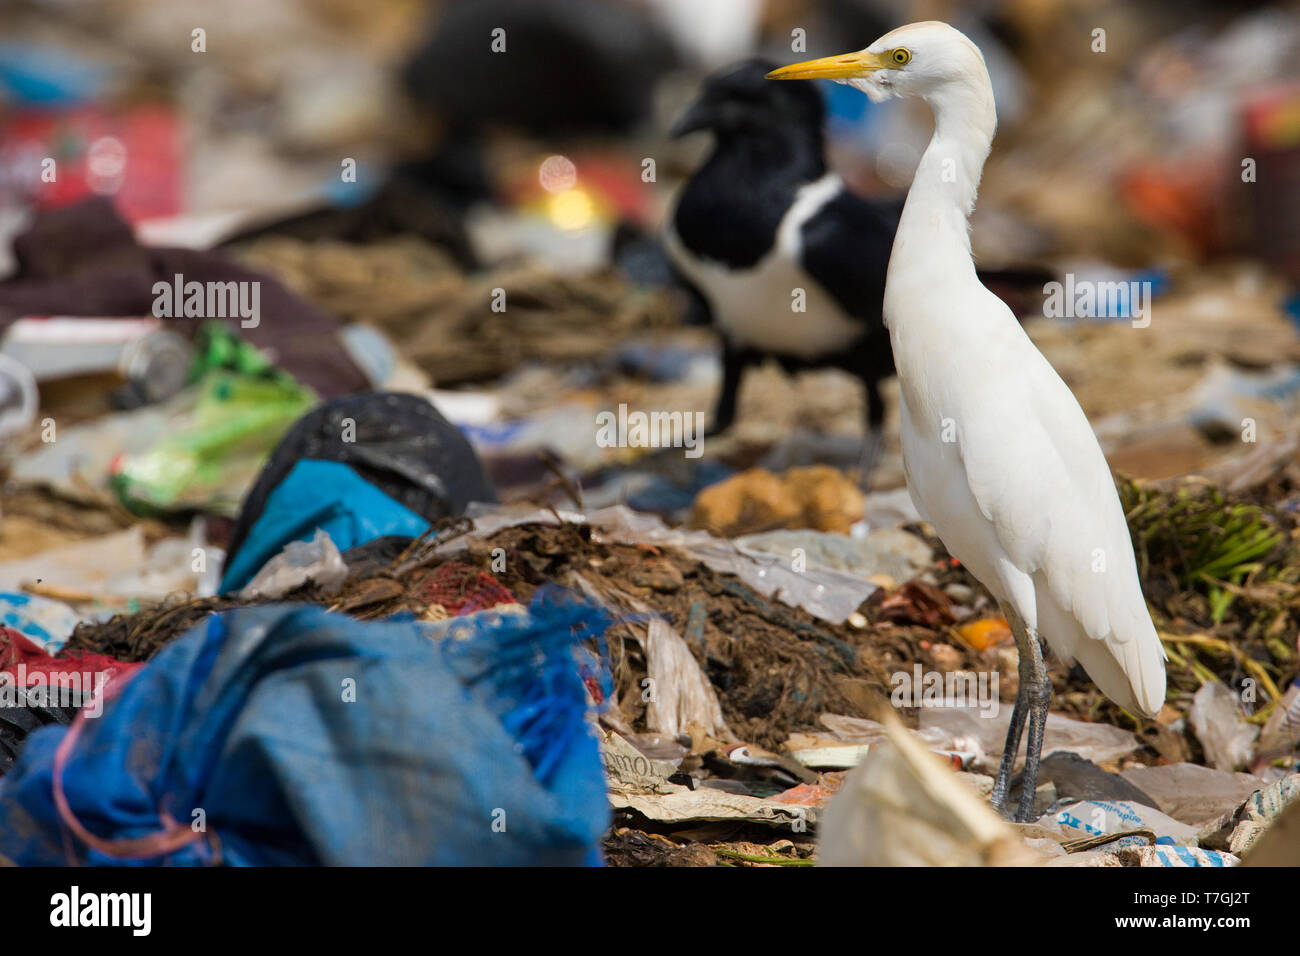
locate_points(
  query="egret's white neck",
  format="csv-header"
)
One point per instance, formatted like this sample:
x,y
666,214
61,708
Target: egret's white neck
x,y
935,226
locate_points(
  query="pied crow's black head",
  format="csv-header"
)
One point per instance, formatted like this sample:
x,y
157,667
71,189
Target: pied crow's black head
x,y
739,102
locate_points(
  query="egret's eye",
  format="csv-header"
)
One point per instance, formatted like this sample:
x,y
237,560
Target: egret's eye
x,y
900,56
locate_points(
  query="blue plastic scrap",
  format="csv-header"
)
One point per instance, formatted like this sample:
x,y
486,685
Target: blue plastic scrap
x,y
289,735
48,623
319,494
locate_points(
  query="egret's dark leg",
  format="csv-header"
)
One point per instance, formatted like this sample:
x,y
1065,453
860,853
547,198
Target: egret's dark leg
x,y
1009,749
1038,691
1032,695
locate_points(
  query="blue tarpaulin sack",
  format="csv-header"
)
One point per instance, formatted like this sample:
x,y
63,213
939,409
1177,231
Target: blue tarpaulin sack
x,y
319,494
291,735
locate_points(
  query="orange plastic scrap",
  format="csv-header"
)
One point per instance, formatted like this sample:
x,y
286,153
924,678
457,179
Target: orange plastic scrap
x,y
805,795
985,633
812,794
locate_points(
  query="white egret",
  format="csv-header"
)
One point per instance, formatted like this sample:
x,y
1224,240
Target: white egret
x,y
998,455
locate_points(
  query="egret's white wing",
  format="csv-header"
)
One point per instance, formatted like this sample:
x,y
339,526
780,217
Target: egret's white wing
x,y
1037,473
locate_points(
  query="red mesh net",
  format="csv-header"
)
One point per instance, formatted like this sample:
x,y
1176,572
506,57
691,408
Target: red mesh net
x,y
461,589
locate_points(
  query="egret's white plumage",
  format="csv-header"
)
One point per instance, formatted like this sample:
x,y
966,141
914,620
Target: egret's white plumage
x,y
999,456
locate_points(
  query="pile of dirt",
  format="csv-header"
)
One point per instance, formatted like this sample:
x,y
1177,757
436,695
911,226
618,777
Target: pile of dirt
x,y
141,635
745,847
775,669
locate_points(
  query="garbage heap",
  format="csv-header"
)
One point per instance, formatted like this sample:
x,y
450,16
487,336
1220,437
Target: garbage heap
x,y
782,697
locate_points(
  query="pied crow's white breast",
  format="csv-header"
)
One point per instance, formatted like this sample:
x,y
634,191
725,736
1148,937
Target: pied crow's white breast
x,y
755,305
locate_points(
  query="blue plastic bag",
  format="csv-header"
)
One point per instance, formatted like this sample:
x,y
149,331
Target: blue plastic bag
x,y
319,494
290,735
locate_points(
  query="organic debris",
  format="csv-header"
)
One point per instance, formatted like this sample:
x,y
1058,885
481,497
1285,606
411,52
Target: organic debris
x,y
1194,539
139,636
775,668
1222,573
627,847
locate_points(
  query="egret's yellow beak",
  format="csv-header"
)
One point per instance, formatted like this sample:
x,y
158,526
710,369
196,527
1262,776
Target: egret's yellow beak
x,y
833,67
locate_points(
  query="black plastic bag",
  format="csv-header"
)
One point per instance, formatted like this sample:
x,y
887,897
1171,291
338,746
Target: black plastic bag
x,y
399,443
16,723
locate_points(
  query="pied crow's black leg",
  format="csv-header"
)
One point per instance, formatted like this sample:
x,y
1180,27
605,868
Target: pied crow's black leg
x,y
733,367
874,439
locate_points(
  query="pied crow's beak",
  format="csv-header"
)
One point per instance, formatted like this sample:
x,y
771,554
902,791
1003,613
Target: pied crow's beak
x,y
698,116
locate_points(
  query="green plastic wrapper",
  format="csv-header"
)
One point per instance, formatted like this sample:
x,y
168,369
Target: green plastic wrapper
x,y
227,424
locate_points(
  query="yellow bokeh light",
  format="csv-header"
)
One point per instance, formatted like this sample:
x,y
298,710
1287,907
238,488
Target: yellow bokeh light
x,y
572,209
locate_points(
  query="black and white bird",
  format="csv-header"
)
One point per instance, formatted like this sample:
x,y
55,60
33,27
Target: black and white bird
x,y
763,226
764,217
